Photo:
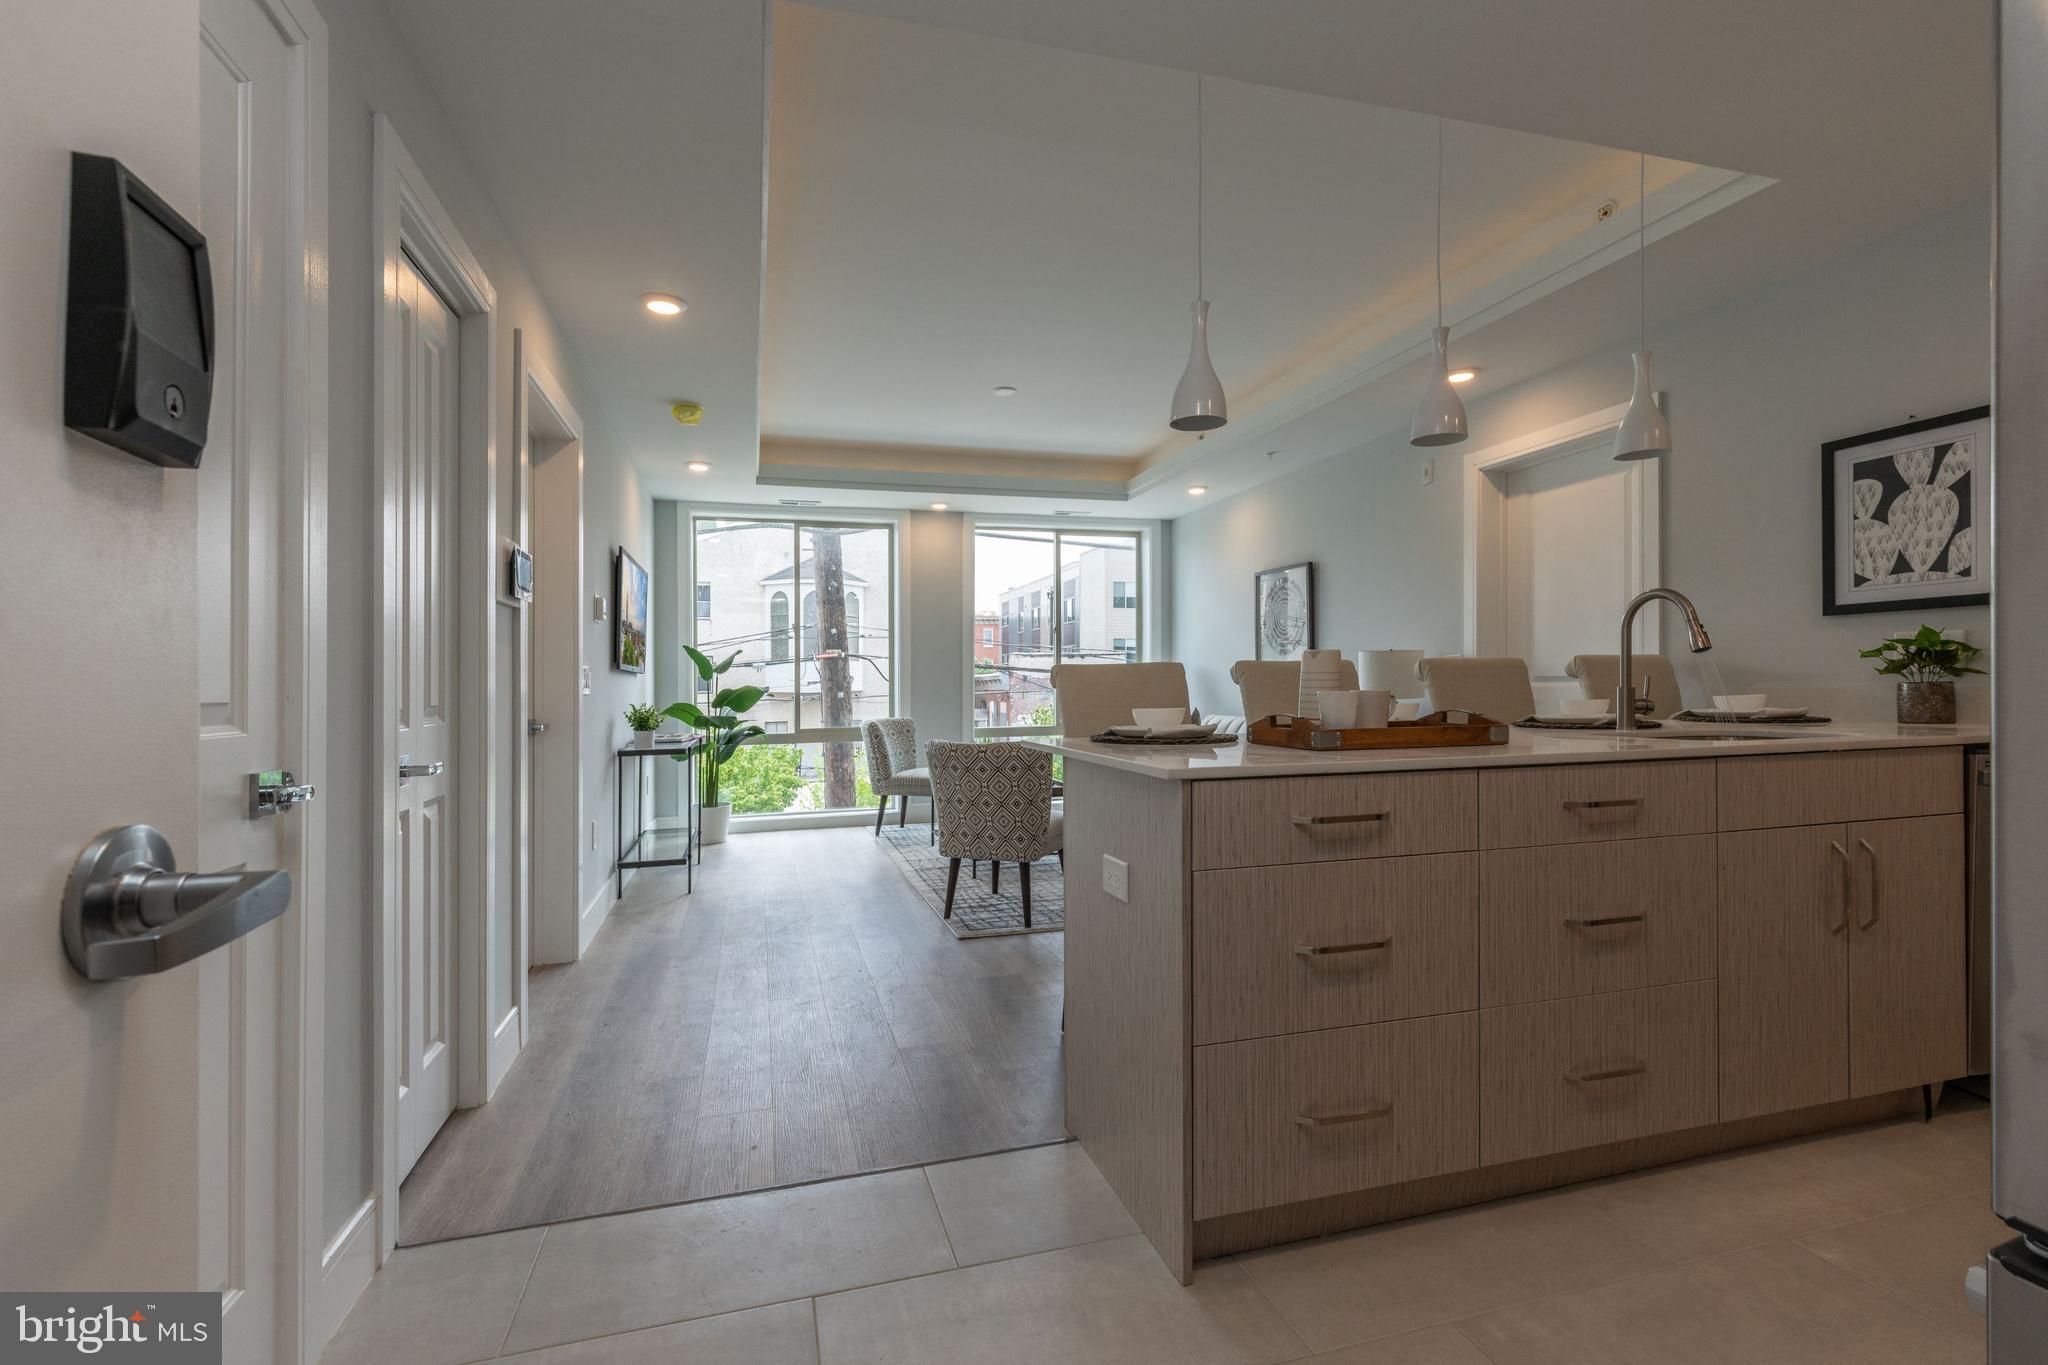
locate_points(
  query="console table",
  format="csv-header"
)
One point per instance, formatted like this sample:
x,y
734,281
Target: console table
x,y
650,847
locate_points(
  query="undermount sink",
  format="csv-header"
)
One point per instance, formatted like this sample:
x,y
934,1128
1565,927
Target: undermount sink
x,y
1658,734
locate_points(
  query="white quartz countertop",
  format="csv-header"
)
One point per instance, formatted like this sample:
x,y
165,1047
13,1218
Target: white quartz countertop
x,y
1524,748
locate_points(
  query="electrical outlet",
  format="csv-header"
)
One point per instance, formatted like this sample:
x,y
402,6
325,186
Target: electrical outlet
x,y
1429,470
1116,878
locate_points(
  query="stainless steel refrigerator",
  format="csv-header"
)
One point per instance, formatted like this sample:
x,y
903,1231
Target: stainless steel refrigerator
x,y
2018,1276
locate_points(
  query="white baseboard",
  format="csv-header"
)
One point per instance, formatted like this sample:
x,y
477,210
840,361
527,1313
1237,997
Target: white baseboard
x,y
501,1051
345,1270
593,916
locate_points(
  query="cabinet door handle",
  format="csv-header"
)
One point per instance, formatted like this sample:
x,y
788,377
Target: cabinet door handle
x,y
1871,854
1604,921
1605,803
1847,888
1324,821
1333,949
1314,1121
1612,1073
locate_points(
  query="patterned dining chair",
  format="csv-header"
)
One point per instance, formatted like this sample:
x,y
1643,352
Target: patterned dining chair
x,y
994,801
892,766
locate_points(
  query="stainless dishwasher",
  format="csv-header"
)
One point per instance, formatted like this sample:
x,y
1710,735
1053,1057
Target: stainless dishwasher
x,y
1977,823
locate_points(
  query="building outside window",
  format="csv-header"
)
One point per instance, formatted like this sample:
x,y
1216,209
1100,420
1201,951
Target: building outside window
x,y
703,601
1019,574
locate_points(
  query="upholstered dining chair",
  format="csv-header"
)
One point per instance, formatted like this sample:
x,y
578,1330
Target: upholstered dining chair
x,y
994,801
1656,680
1093,697
1498,689
892,766
1272,687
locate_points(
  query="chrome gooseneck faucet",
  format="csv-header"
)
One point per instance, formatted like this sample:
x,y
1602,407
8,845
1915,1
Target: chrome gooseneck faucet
x,y
1696,636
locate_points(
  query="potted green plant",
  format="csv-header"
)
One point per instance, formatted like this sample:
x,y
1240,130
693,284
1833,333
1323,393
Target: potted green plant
x,y
724,732
643,721
1927,664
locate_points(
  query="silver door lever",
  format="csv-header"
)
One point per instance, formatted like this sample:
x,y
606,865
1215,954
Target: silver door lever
x,y
128,911
408,770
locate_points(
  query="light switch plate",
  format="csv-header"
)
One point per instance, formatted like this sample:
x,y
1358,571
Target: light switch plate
x,y
1429,470
1116,878
586,680
597,607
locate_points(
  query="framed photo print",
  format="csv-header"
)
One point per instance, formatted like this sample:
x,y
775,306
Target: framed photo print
x,y
1905,516
629,619
1284,611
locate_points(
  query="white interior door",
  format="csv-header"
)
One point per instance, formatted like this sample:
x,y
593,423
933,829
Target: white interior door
x,y
426,828
1572,554
247,185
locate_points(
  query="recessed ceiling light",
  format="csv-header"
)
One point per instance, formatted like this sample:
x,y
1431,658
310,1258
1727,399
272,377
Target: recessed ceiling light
x,y
699,466
938,507
667,305
1197,489
1006,390
1464,376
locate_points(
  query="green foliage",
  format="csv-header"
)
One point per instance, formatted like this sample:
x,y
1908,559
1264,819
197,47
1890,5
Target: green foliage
x,y
1927,655
762,779
1041,714
640,718
723,731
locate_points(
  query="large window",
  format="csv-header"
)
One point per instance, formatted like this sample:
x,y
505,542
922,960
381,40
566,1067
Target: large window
x,y
1050,597
808,606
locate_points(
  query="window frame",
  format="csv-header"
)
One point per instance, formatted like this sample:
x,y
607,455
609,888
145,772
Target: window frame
x,y
1147,630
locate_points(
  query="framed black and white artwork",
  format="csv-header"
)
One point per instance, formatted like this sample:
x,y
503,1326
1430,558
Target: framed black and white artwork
x,y
1284,611
1905,516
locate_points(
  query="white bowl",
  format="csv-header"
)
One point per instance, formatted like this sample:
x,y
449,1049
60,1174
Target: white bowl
x,y
1584,706
1742,701
1158,717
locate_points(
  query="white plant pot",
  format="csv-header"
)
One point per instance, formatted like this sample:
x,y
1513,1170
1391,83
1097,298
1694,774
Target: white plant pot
x,y
714,821
643,739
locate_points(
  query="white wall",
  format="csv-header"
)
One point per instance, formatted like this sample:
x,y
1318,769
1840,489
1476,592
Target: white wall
x,y
1880,334
371,71
99,1124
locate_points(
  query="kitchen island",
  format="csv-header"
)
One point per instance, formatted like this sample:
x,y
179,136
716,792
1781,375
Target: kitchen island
x,y
1340,988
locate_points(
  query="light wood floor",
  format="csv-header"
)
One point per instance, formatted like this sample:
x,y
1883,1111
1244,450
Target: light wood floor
x,y
803,1016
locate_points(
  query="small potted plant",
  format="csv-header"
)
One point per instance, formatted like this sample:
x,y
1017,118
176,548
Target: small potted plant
x,y
1927,664
644,721
723,734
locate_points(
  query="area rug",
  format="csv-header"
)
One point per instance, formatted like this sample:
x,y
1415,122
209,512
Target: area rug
x,y
977,911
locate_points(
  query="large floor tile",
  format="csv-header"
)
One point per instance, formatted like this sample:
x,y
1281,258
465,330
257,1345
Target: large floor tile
x,y
781,1334
1108,1302
1921,1254
608,1275
439,1305
1430,1346
1746,1198
1016,1203
1921,1162
1774,1305
1363,1285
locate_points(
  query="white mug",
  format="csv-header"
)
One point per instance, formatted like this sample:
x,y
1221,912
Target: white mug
x,y
1374,709
1338,710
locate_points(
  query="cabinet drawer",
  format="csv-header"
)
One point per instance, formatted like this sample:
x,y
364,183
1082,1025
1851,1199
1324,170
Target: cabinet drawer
x,y
1580,919
1255,822
1827,789
1602,1068
1586,802
1322,945
1310,1114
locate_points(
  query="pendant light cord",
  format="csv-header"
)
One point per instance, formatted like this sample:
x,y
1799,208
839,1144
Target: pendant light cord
x,y
1198,185
1642,250
1439,220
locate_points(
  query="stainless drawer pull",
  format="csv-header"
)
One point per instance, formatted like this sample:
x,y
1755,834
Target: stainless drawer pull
x,y
1323,821
1604,921
1332,949
1846,888
1871,853
1605,803
1313,1121
1613,1073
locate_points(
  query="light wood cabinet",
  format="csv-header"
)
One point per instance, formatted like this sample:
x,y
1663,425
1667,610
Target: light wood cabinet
x,y
1907,994
1841,965
1765,790
1323,945
1259,822
1590,802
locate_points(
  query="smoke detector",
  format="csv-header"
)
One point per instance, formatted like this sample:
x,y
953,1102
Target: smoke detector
x,y
688,413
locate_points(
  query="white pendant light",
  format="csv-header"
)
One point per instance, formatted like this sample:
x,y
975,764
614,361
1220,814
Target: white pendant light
x,y
1644,433
1440,416
1198,402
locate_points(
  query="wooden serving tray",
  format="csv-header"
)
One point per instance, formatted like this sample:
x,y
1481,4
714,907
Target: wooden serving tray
x,y
1433,731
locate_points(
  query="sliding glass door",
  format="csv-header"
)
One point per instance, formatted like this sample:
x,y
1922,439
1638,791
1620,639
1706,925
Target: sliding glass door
x,y
1046,597
807,606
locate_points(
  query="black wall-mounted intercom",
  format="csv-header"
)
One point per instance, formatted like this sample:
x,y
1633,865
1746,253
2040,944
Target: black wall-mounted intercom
x,y
138,341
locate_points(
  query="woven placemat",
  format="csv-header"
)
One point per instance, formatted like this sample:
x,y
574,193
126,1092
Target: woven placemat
x,y
1107,737
1730,718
